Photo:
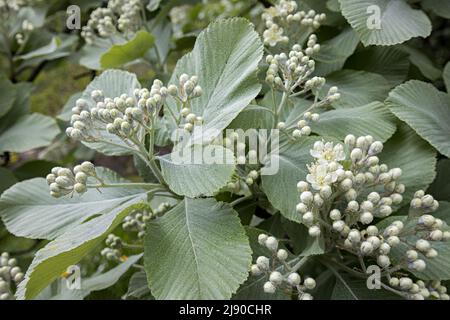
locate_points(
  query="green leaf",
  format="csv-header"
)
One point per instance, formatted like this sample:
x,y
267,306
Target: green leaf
x,y
390,62
28,210
334,52
69,248
96,282
120,54
303,243
440,188
138,286
45,50
446,76
29,132
225,58
416,158
90,55
438,7
7,95
357,88
281,188
443,212
113,83
419,59
373,118
253,116
197,250
398,22
34,169
425,109
359,289
7,179
193,172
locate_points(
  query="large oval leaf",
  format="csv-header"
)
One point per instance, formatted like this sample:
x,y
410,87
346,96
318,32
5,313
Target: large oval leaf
x,y
225,58
197,250
426,110
398,22
28,210
192,178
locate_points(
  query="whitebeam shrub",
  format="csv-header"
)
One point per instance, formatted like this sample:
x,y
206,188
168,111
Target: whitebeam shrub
x,y
347,207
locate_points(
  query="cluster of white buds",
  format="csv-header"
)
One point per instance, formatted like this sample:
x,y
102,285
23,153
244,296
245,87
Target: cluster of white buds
x,y
303,125
295,66
279,272
123,116
10,273
186,90
111,254
419,290
285,14
328,177
113,241
63,181
136,221
120,17
252,176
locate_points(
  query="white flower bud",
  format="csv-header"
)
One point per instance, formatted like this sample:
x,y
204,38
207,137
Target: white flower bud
x,y
393,241
346,184
262,239
375,241
263,263
338,225
385,248
372,231
282,254
366,217
302,186
294,279
366,248
308,218
276,278
436,235
80,188
356,154
418,265
383,261
269,287
88,168
309,283
354,236
353,206
301,208
306,197
412,255
255,270
350,139
422,245
281,125
296,133
335,214
272,243
432,253
314,231
394,282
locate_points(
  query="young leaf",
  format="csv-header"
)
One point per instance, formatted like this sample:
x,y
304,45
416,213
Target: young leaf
x,y
425,109
193,178
225,58
385,22
120,54
197,250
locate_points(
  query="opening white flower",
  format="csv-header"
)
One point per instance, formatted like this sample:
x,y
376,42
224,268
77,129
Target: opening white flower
x,y
319,176
327,152
273,35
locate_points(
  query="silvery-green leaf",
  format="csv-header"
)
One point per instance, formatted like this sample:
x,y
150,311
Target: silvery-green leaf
x,y
359,290
373,118
334,52
69,248
28,210
446,76
357,88
426,110
47,49
113,83
29,132
281,188
419,59
438,7
385,22
417,159
7,95
138,286
197,250
225,58
390,62
198,171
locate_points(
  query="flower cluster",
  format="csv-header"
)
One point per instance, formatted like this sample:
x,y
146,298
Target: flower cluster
x,y
10,273
281,275
347,188
419,290
136,221
186,90
119,17
63,181
123,116
285,14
